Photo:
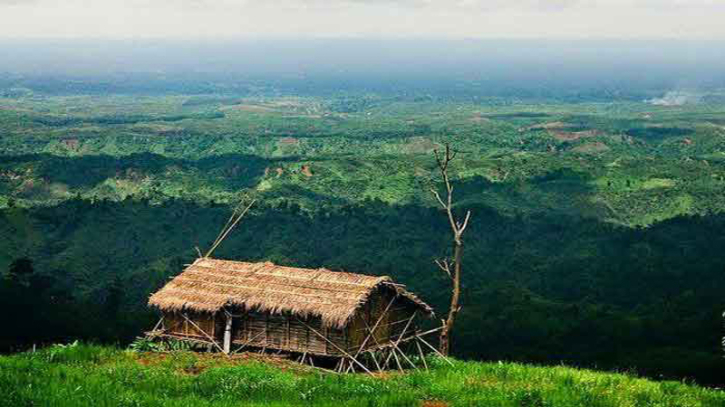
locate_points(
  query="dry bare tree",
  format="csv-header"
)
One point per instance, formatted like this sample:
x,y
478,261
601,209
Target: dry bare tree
x,y
452,267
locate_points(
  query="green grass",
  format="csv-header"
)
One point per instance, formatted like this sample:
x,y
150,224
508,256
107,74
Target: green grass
x,y
87,375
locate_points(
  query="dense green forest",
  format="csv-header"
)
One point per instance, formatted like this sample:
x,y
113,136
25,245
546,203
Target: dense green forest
x,y
596,236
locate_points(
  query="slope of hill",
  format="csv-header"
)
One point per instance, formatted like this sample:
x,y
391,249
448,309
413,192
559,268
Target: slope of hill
x,y
82,375
596,238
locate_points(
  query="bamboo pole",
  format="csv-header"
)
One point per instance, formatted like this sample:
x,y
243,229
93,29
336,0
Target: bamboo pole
x,y
434,350
397,361
372,354
224,236
158,324
221,232
403,340
335,345
228,333
203,332
422,356
402,334
372,332
249,341
407,359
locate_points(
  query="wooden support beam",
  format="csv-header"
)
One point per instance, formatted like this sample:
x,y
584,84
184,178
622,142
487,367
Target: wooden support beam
x,y
402,340
372,355
248,342
372,331
434,349
335,345
228,333
402,334
161,321
397,361
203,332
407,359
422,355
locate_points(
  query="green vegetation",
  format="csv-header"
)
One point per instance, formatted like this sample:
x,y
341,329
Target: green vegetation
x,y
629,163
596,236
82,375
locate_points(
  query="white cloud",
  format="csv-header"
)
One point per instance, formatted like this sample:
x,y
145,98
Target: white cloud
x,y
341,18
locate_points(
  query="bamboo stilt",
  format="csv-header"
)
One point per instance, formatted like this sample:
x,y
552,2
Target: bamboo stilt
x,y
372,331
372,354
335,346
407,359
434,350
397,361
422,356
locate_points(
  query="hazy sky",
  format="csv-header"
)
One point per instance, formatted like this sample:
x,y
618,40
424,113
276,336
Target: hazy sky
x,y
198,19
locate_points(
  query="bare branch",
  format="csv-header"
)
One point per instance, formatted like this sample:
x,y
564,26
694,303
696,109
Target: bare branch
x,y
465,223
438,197
445,266
453,155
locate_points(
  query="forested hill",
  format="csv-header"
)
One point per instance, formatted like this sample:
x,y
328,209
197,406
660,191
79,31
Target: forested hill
x,y
544,288
596,235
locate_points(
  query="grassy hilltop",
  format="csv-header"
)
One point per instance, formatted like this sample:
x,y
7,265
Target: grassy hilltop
x,y
83,375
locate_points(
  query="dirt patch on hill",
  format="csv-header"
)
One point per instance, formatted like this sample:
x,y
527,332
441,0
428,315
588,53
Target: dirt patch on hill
x,y
289,141
419,144
71,144
306,170
591,148
479,119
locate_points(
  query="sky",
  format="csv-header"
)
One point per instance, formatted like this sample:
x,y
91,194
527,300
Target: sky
x,y
450,19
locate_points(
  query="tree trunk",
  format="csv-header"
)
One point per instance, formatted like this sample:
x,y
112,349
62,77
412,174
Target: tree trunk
x,y
445,338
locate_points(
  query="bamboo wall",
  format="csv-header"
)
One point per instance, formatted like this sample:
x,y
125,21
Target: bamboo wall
x,y
390,326
176,324
285,332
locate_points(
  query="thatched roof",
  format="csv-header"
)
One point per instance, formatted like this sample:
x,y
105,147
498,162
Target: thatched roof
x,y
208,285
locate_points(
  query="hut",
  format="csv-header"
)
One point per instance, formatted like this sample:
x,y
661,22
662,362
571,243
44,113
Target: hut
x,y
233,305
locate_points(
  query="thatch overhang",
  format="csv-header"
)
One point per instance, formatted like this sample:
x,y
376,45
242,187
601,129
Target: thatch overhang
x,y
209,285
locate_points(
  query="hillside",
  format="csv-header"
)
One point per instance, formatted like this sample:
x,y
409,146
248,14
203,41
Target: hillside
x,y
83,375
596,236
